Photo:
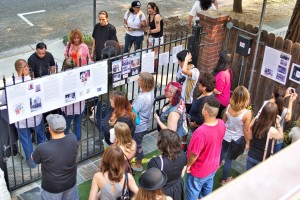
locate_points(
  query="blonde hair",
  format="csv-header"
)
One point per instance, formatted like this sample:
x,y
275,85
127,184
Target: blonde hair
x,y
240,98
123,136
73,33
147,81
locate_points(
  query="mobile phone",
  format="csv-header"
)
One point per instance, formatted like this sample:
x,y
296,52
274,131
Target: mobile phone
x,y
293,90
157,112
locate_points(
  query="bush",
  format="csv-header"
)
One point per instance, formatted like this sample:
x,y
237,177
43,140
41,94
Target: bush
x,y
88,39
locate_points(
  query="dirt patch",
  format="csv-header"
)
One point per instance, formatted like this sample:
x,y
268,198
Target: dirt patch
x,y
275,10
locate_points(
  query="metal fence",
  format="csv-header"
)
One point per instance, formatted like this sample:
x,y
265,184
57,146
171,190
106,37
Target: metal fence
x,y
12,159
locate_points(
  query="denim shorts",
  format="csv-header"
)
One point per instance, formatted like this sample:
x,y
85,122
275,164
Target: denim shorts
x,y
197,188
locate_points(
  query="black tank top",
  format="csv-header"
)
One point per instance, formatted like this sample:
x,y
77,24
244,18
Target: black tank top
x,y
257,148
152,26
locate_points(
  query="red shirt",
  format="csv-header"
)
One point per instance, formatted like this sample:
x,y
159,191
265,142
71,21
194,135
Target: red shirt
x,y
206,143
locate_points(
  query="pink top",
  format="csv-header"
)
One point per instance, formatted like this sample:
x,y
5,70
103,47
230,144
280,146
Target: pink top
x,y
82,52
206,143
223,85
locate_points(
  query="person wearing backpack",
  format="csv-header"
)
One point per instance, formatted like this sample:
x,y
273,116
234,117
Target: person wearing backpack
x,y
134,22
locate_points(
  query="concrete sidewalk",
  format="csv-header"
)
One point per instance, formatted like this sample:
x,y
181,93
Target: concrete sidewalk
x,y
85,171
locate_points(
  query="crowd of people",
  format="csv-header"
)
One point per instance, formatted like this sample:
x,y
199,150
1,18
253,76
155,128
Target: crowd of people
x,y
219,123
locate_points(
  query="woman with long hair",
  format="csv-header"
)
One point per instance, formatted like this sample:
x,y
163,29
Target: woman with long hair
x,y
76,49
268,123
134,22
278,96
143,105
201,5
173,113
124,140
237,119
79,53
156,26
121,111
150,184
172,161
223,75
110,179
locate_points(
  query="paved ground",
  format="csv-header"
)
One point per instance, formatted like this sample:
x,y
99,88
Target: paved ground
x,y
85,171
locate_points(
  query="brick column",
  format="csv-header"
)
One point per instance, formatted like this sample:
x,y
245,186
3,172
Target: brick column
x,y
213,24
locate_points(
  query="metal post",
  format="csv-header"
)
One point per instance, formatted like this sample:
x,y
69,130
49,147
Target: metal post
x,y
94,13
257,43
194,43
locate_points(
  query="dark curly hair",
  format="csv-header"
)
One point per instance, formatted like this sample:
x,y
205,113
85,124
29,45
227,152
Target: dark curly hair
x,y
205,4
208,80
168,142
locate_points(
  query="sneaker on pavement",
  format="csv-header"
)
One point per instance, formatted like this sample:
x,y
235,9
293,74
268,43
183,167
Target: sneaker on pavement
x,y
31,163
137,169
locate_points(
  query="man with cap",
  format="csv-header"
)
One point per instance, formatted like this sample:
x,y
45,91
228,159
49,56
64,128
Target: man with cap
x,y
58,159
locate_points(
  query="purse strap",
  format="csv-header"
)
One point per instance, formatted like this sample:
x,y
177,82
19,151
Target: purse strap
x,y
69,45
267,145
125,183
162,163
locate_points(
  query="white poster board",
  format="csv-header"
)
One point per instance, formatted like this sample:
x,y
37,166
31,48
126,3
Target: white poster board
x,y
275,65
175,51
148,62
295,73
41,95
164,58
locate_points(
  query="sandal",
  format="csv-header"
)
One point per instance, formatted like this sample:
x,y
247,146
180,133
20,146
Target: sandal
x,y
229,179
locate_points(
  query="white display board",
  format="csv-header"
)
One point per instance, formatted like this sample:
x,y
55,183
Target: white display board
x,y
41,95
295,73
175,51
275,65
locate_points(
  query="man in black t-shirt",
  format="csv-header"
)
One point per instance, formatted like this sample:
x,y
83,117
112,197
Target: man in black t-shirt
x,y
102,32
58,159
41,62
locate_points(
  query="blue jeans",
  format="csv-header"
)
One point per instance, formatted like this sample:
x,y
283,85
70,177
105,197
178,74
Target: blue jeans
x,y
227,164
76,124
138,138
136,40
277,146
71,193
26,141
197,188
251,162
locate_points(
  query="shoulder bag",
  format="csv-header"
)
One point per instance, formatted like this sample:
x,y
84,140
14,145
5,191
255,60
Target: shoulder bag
x,y
125,191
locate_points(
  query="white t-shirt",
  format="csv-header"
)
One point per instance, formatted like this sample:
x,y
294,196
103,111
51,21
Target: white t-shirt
x,y
196,9
134,21
189,84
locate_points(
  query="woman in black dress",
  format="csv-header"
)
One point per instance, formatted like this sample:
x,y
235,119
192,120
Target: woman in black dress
x,y
172,161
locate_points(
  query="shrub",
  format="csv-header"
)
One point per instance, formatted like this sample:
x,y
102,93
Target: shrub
x,y
88,39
